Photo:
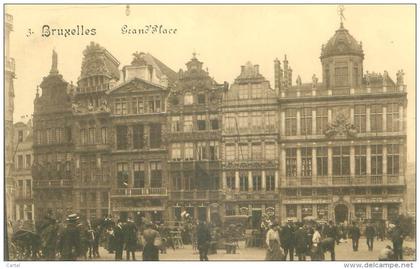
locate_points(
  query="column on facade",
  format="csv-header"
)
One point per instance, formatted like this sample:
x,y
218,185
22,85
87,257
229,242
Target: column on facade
x,y
367,119
313,121
263,183
368,211
314,213
17,212
385,211
237,187
384,161
33,211
401,118
352,161
298,162
384,118
330,162
299,212
250,186
224,183
276,180
329,115
283,164
351,115
314,167
298,122
282,123
401,169
368,157
98,204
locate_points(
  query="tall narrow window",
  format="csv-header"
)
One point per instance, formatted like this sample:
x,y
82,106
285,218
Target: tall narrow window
x,y
214,122
202,151
360,160
291,122
188,99
156,174
189,151
360,118
91,136
321,119
306,166
392,118
322,161
104,135
188,124
341,161
83,139
306,121
201,122
122,140
214,150
176,151
175,124
393,159
139,176
355,76
122,175
291,165
138,136
243,182
376,118
376,159
256,181
270,181
155,135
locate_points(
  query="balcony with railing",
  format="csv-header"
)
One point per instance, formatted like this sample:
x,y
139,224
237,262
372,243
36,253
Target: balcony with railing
x,y
139,192
204,195
59,183
364,180
317,92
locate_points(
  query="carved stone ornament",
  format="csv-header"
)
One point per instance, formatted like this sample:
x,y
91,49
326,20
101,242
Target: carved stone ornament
x,y
340,127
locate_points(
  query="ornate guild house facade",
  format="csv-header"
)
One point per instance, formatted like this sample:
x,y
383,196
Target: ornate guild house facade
x,y
145,141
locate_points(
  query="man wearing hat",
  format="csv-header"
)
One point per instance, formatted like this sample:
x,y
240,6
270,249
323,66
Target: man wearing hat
x,y
130,238
70,241
118,240
203,240
397,237
287,239
355,235
301,242
370,235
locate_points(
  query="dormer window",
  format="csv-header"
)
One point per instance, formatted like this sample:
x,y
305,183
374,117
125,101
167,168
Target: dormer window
x,y
188,99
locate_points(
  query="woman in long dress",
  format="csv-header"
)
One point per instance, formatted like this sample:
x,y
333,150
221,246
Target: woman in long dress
x,y
274,252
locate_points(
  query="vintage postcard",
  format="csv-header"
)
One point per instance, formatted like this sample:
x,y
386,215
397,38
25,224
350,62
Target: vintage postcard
x,y
192,132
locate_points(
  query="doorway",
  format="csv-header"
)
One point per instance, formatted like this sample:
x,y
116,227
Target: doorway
x,y
341,213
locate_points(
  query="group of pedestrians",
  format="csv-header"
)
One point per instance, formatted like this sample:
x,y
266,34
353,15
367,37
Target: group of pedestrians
x,y
315,240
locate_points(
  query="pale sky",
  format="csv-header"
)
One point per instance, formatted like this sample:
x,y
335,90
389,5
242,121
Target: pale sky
x,y
224,37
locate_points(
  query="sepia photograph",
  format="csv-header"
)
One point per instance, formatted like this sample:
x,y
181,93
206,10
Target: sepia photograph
x,y
210,132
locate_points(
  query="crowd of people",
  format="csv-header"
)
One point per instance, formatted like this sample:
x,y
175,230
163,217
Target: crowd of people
x,y
75,239
315,240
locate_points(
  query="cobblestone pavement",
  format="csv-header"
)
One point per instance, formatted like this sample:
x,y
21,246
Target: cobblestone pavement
x,y
344,252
